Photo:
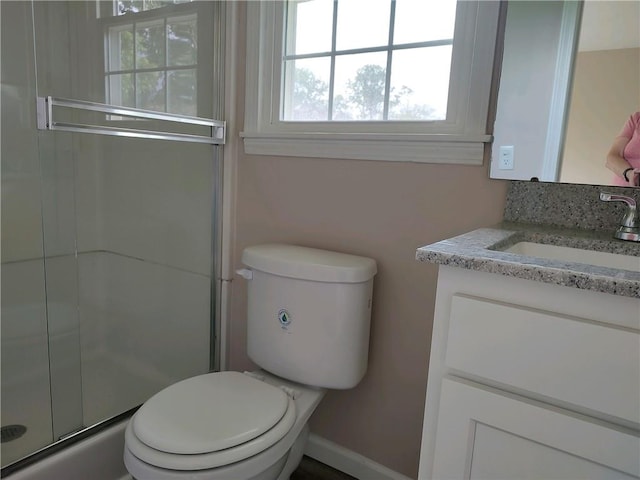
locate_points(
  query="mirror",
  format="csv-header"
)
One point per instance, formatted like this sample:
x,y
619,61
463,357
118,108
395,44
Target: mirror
x,y
569,80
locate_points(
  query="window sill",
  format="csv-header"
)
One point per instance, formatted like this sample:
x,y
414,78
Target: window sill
x,y
448,149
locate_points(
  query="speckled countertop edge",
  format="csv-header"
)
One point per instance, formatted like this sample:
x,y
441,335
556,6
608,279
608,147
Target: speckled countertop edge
x,y
476,250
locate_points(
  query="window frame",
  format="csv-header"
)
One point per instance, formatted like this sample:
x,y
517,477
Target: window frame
x,y
460,138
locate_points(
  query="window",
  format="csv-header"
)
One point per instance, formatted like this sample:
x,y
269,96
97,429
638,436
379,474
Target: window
x,y
333,71
373,79
151,55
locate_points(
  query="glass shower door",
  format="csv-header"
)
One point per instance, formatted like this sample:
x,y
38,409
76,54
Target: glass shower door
x,y
26,402
118,232
145,288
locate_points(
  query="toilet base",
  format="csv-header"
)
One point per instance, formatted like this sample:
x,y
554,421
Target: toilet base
x,y
295,454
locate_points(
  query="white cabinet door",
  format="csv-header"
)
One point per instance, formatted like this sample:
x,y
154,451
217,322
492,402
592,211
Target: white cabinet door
x,y
483,433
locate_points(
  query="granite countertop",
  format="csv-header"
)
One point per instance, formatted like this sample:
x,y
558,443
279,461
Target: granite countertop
x,y
481,250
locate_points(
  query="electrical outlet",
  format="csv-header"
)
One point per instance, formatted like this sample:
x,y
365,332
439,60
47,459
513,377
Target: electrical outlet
x,y
505,160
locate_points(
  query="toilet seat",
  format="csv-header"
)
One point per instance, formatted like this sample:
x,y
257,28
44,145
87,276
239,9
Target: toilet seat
x,y
209,421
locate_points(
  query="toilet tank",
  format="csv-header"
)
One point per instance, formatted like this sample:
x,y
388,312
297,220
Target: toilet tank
x,y
309,312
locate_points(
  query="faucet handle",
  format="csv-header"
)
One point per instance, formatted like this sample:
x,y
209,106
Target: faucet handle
x,y
630,218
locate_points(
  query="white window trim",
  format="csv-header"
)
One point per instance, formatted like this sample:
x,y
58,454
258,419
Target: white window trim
x,y
458,139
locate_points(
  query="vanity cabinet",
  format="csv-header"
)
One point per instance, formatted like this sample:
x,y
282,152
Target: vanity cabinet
x,y
531,380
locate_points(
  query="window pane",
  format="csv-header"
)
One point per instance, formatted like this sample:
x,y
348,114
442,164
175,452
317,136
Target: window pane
x,y
309,27
120,88
423,20
182,41
153,4
150,40
182,92
420,93
150,89
121,48
359,87
306,96
362,23
129,6
135,6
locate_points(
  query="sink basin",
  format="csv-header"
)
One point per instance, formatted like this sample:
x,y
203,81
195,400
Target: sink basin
x,y
577,255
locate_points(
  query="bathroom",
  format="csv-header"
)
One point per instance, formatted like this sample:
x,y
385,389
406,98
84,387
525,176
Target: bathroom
x,y
149,205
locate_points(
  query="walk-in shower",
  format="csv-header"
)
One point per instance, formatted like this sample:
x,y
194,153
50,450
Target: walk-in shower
x,y
109,220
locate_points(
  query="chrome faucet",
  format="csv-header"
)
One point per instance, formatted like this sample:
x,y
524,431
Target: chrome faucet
x,y
629,228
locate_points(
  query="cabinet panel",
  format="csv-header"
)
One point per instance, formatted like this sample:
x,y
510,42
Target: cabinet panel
x,y
485,433
500,455
584,363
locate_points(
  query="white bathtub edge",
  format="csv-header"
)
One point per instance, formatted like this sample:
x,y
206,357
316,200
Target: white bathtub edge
x,y
98,457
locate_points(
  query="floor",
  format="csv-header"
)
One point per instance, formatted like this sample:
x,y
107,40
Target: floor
x,y
310,469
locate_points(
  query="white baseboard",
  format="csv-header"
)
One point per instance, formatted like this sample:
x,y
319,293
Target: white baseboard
x,y
347,461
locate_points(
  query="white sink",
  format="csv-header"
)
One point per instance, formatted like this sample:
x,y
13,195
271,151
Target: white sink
x,y
577,255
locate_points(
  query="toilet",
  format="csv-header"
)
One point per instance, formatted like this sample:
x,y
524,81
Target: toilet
x,y
308,322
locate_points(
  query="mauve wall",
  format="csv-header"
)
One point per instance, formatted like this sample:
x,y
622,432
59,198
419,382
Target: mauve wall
x,y
384,211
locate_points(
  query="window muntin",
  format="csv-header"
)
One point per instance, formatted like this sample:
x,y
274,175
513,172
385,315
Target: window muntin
x,y
333,71
151,56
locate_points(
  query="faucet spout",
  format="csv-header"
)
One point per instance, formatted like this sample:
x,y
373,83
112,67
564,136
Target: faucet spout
x,y
629,228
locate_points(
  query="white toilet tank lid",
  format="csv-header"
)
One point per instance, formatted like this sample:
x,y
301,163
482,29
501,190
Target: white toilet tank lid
x,y
209,413
309,263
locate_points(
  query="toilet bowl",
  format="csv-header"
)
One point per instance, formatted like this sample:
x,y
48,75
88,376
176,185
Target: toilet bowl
x,y
260,429
308,318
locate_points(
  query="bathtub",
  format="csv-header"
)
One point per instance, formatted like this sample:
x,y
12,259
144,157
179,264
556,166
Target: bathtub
x,y
98,457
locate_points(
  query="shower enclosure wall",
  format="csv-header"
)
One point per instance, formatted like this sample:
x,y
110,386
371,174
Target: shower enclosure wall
x,y
108,259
